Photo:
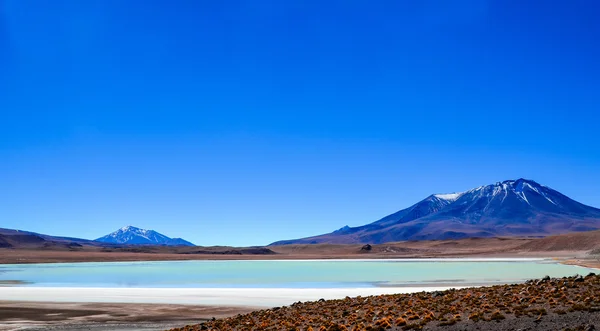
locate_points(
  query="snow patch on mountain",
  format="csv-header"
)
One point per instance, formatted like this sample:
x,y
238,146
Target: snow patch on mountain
x,y
449,196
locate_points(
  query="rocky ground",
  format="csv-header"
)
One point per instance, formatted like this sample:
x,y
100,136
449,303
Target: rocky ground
x,y
570,303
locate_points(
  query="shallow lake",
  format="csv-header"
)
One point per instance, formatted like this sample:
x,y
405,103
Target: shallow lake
x,y
284,274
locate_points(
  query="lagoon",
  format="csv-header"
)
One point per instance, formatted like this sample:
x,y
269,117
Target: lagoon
x,y
296,274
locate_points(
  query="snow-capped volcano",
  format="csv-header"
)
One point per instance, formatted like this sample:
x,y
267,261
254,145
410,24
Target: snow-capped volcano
x,y
510,208
130,235
516,199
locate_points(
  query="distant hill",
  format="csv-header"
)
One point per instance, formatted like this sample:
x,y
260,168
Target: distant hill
x,y
130,235
578,241
510,208
24,239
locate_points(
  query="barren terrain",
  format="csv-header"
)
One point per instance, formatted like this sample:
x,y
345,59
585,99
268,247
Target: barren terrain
x,y
35,315
546,304
582,246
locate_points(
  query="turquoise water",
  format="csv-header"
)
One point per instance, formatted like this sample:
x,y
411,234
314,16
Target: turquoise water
x,y
287,274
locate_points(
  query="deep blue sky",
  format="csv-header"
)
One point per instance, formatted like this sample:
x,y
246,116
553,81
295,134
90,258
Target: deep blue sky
x,y
246,122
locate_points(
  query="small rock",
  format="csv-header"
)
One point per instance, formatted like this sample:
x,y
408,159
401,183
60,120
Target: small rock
x,y
437,294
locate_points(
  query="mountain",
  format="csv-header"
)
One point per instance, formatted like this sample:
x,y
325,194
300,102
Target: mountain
x,y
130,235
511,208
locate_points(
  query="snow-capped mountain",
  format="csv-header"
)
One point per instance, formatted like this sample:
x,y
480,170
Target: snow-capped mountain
x,y
130,235
511,208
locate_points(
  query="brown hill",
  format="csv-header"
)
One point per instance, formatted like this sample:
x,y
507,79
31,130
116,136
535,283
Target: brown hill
x,y
26,247
580,241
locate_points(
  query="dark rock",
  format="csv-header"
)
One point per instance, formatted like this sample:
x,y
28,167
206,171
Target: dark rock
x,y
436,294
366,248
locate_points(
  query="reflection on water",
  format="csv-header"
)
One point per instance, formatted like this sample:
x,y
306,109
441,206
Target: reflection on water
x,y
10,282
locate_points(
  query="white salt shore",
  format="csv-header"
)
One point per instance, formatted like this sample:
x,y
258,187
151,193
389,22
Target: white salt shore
x,y
257,297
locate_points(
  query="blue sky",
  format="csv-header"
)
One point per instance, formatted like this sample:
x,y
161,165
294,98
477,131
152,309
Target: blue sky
x,y
246,122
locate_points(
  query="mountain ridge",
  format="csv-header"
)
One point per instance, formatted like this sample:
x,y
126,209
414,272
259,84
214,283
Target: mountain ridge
x,y
519,207
131,235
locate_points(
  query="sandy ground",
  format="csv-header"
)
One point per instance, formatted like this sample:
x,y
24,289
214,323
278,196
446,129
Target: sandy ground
x,y
16,315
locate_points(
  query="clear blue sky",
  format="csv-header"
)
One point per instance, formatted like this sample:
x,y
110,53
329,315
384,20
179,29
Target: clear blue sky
x,y
246,122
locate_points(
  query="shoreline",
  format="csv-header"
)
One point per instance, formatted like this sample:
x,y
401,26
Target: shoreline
x,y
586,263
221,297
337,259
266,296
583,261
